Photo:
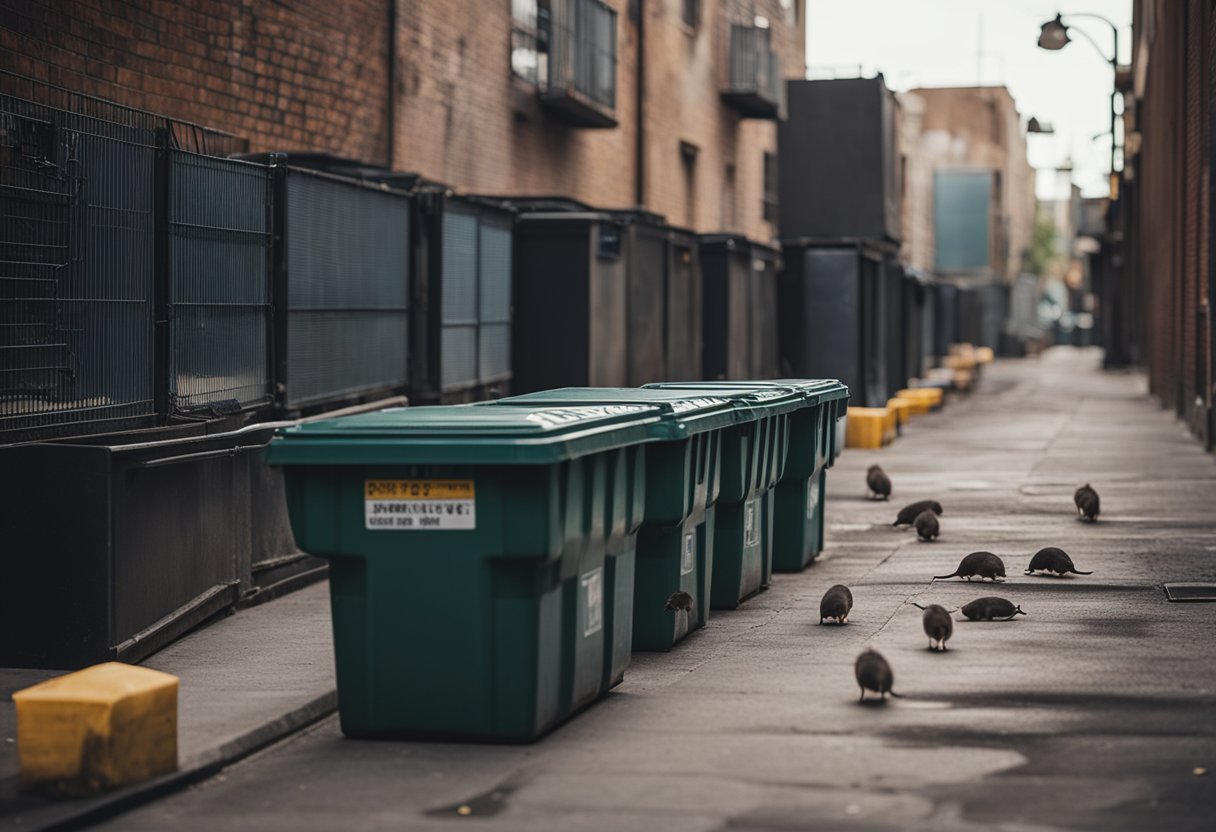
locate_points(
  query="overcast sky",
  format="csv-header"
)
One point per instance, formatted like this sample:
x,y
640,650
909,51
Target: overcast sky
x,y
935,43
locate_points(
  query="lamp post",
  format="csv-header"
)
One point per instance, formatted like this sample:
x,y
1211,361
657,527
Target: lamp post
x,y
1054,35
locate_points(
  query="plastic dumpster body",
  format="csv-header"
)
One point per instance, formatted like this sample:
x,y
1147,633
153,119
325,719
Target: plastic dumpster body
x,y
467,550
797,521
753,460
675,543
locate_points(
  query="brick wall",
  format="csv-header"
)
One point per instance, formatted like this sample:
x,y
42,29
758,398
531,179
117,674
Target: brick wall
x,y
314,74
1168,212
287,75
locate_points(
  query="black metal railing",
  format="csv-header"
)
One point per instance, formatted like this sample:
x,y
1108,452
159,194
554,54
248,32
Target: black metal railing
x,y
580,71
755,85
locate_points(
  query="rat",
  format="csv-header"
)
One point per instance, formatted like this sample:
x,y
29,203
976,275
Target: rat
x,y
836,603
983,564
1088,504
679,600
909,513
1054,560
873,673
938,625
927,526
878,482
990,608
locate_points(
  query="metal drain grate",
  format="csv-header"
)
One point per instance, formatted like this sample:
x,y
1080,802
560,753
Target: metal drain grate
x,y
1190,592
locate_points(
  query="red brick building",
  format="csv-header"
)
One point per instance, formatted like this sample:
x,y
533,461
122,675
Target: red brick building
x,y
664,103
1162,299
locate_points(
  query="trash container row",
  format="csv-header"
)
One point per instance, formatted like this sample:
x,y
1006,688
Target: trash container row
x,y
494,565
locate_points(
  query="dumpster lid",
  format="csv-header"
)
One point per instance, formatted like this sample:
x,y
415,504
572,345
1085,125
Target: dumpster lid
x,y
814,390
464,434
684,412
764,398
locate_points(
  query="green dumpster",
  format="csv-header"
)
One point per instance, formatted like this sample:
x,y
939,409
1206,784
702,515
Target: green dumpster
x,y
675,543
754,452
797,510
467,550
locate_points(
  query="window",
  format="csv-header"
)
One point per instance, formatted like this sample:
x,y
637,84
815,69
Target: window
x,y
770,187
692,13
728,198
529,39
688,161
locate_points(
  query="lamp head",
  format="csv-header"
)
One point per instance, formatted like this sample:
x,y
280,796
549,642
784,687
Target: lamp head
x,y
1053,34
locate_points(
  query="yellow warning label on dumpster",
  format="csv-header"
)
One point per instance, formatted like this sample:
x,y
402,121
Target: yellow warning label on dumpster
x,y
404,505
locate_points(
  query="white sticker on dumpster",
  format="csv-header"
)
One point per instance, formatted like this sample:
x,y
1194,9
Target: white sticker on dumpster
x,y
593,602
812,499
688,558
419,505
751,522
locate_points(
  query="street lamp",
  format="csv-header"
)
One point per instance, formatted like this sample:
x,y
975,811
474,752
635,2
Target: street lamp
x,y
1053,36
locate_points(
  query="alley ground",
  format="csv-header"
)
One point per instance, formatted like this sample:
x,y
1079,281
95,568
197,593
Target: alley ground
x,y
1095,711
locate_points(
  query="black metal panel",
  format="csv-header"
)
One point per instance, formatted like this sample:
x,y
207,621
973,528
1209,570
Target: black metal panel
x,y
726,308
683,302
346,261
928,326
76,296
913,329
946,318
765,355
838,160
219,283
647,303
133,542
465,310
570,298
892,277
832,318
981,315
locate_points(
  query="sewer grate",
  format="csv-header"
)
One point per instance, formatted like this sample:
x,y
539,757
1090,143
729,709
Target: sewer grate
x,y
1190,592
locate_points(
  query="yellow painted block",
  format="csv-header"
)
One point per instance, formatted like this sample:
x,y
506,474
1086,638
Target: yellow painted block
x,y
890,427
984,355
902,408
106,726
867,427
959,362
932,395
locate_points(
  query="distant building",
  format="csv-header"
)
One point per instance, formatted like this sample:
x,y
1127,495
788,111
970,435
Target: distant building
x,y
665,104
968,206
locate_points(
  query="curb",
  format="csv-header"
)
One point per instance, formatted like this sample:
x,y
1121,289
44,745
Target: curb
x,y
197,768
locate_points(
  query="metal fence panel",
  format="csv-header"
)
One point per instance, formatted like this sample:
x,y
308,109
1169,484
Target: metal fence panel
x,y
77,244
347,289
494,291
459,299
219,276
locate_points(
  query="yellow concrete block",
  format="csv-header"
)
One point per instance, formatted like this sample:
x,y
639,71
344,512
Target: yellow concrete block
x,y
890,427
984,355
867,427
103,727
928,397
959,362
902,408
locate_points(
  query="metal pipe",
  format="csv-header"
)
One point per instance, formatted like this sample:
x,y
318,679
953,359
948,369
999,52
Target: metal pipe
x,y
639,172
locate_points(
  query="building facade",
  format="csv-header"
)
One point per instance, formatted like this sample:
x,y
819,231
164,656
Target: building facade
x,y
669,105
963,151
1159,294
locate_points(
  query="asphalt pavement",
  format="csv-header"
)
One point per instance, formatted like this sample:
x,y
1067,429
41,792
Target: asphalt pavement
x,y
1095,711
